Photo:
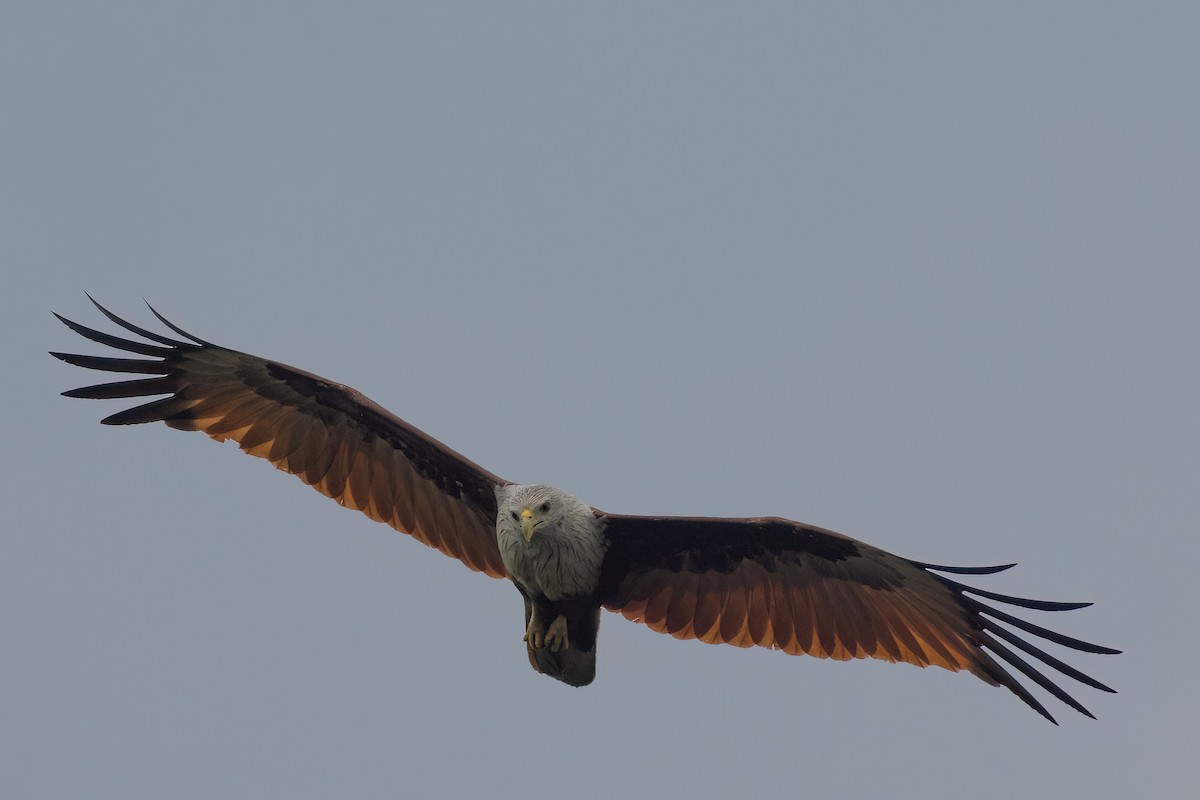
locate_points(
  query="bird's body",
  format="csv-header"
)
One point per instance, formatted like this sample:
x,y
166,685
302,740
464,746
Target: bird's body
x,y
553,545
767,581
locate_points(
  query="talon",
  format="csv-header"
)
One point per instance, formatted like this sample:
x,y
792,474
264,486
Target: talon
x,y
556,635
535,635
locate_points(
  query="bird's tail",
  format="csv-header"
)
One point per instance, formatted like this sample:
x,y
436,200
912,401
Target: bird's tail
x,y
571,666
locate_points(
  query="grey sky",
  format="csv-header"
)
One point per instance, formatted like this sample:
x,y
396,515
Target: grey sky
x,y
927,276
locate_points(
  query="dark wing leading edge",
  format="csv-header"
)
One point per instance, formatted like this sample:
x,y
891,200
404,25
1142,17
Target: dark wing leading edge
x,y
779,584
330,436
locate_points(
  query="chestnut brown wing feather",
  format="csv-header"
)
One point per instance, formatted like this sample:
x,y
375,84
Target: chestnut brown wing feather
x,y
329,435
779,584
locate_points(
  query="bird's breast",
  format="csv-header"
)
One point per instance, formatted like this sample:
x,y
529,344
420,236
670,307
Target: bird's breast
x,y
552,567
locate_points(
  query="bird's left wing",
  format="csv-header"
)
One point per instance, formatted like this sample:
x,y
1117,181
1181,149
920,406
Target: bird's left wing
x,y
329,435
783,585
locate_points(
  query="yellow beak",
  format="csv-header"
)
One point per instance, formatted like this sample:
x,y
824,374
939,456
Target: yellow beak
x,y
527,523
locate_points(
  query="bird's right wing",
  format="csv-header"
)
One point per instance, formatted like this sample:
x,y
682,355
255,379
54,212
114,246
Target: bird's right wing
x,y
329,435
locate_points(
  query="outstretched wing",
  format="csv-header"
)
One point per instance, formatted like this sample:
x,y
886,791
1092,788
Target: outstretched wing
x,y
330,436
779,584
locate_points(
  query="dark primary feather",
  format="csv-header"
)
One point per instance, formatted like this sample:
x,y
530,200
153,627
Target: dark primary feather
x,y
329,435
783,585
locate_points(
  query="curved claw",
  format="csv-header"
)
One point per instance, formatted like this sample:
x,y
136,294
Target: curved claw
x,y
535,634
556,635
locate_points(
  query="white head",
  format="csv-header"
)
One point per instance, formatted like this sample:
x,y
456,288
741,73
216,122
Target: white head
x,y
552,544
539,511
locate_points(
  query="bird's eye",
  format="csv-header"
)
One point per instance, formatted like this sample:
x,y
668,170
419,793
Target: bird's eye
x,y
545,507
514,516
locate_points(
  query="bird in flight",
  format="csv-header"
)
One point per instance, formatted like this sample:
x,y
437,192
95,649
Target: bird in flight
x,y
762,581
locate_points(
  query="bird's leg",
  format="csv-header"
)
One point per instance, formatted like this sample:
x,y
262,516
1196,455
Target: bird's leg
x,y
535,632
556,635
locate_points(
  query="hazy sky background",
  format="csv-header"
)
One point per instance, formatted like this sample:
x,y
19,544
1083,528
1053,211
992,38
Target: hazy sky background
x,y
924,274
